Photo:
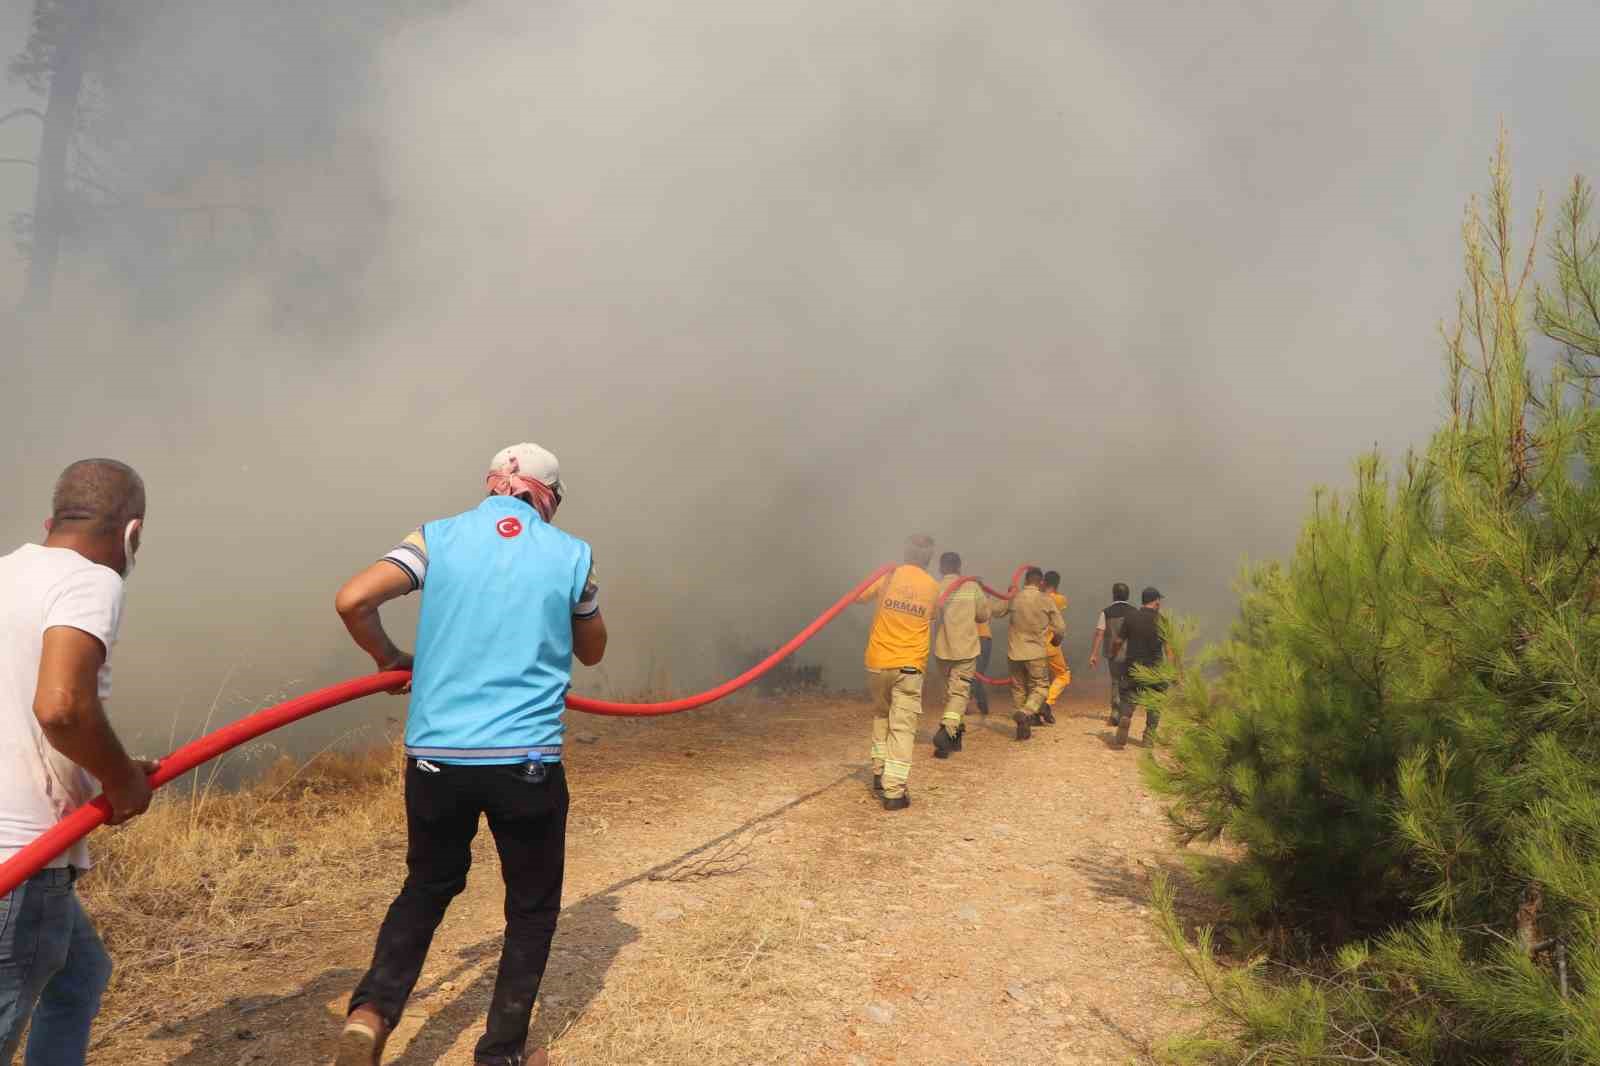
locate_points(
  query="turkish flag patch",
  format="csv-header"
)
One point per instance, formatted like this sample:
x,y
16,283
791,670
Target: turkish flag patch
x,y
508,527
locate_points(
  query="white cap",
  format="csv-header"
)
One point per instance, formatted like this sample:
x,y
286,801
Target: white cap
x,y
530,460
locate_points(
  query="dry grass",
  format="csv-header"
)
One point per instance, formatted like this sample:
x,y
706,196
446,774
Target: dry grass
x,y
209,884
749,979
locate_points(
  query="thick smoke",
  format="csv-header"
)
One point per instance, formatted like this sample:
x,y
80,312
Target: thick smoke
x,y
1093,285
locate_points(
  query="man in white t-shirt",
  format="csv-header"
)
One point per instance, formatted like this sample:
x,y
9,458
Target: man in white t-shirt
x,y
60,606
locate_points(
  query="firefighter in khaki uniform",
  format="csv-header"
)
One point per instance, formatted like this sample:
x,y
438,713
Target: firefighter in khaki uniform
x,y
897,652
955,649
1060,672
1036,625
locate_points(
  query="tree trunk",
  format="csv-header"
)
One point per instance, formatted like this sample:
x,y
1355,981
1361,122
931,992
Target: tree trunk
x,y
60,122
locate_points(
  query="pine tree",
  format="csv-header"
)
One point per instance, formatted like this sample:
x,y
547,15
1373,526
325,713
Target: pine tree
x,y
1403,733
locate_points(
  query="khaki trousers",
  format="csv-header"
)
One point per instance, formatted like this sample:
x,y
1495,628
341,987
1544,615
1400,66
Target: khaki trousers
x,y
957,689
1030,683
896,706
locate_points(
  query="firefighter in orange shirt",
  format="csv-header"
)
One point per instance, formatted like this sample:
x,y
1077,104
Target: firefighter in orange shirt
x,y
897,654
1060,672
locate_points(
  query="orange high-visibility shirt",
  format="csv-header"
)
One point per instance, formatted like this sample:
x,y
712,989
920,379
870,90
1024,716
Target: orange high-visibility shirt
x,y
904,620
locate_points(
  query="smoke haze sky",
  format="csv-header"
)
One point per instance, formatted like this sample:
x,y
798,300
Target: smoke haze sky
x,y
1100,285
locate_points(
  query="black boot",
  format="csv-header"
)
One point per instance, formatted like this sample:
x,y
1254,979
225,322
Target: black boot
x,y
1047,713
1023,729
959,734
898,803
943,743
1036,718
877,784
1122,730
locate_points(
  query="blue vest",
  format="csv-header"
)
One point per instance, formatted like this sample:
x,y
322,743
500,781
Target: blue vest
x,y
494,640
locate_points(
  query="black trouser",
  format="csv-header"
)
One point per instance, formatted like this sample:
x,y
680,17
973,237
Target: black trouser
x,y
980,689
1119,680
1136,694
528,819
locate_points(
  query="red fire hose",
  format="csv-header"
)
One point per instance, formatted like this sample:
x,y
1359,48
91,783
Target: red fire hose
x,y
77,825
689,703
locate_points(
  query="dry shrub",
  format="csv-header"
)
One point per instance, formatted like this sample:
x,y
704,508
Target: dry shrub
x,y
735,982
211,883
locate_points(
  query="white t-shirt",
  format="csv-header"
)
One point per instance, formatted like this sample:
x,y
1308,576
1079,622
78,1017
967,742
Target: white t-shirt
x,y
41,588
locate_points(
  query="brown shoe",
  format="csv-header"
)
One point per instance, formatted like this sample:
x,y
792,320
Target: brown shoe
x,y
361,1043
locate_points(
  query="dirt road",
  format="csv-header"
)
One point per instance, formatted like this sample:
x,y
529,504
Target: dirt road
x,y
736,895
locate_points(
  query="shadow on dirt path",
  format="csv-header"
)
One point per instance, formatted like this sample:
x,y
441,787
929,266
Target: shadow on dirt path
x,y
590,928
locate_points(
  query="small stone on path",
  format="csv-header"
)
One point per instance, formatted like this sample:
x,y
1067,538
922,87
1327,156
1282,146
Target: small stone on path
x,y
878,1013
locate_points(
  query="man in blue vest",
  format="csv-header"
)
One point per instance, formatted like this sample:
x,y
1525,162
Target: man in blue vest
x,y
507,601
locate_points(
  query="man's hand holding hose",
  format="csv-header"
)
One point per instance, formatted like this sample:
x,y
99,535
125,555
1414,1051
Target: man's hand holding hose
x,y
358,602
131,793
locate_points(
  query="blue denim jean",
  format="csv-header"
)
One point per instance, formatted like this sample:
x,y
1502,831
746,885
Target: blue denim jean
x,y
53,969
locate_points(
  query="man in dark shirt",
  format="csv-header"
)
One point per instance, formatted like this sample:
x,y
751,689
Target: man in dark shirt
x,y
1106,632
1142,642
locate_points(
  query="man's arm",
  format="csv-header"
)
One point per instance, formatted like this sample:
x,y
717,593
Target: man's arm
x,y
358,602
589,639
1094,647
588,628
981,612
67,704
1058,625
872,593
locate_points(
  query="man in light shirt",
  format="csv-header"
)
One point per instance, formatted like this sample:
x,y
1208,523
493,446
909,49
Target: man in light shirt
x,y
60,609
508,601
